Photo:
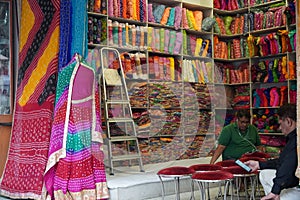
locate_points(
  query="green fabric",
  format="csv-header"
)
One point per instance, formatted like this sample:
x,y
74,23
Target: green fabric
x,y
236,144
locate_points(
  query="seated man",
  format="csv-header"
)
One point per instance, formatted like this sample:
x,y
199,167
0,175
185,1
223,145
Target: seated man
x,y
237,138
277,176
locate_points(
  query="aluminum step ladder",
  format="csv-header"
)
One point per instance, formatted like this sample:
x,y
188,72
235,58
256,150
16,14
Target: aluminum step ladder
x,y
122,141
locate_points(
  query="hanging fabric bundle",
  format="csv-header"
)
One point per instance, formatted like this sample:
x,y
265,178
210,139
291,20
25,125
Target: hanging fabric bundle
x,y
75,167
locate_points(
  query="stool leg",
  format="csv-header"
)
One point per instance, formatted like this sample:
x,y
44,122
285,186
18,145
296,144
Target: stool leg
x,y
208,195
225,189
177,188
245,187
253,187
192,190
201,190
162,188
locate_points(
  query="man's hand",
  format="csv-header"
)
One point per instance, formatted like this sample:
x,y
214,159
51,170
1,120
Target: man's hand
x,y
271,196
254,165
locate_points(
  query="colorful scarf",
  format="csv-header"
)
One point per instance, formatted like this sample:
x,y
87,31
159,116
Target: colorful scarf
x,y
36,81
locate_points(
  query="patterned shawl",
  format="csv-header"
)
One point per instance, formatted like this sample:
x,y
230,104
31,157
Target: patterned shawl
x,y
36,81
75,167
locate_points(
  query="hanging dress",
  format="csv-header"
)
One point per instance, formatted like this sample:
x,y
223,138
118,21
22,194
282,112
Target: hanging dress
x,y
75,168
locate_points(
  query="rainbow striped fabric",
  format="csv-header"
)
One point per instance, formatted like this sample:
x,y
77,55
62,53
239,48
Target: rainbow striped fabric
x,y
75,168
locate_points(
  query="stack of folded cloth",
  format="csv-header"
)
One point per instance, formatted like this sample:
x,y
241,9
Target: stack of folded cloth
x,y
197,71
137,92
97,30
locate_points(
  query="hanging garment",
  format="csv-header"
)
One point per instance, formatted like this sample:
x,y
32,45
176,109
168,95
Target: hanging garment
x,y
35,95
75,168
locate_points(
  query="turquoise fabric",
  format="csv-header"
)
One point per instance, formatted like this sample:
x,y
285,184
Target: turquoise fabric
x,y
79,27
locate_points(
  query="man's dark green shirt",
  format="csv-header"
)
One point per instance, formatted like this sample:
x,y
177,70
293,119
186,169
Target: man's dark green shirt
x,y
236,142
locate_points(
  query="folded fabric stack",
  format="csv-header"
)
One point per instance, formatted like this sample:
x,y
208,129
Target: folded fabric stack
x,y
293,39
266,120
230,4
197,96
271,44
127,35
269,97
193,143
256,2
231,25
142,120
164,68
192,19
195,122
232,49
264,19
159,147
168,16
197,71
164,95
97,33
274,141
138,94
128,9
97,6
290,12
164,40
271,70
230,74
222,96
165,122
196,46
241,97
293,93
134,65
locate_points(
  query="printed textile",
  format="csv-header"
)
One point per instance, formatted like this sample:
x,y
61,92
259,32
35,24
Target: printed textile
x,y
36,81
75,168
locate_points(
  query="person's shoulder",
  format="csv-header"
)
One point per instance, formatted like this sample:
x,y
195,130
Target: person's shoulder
x,y
252,128
229,126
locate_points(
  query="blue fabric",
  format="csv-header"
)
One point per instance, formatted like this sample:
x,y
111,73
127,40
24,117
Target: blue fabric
x,y
65,20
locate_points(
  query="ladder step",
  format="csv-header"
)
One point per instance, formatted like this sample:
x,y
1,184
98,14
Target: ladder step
x,y
122,138
125,157
118,102
110,120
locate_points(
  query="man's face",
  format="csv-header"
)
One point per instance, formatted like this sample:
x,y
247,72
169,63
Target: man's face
x,y
243,123
285,125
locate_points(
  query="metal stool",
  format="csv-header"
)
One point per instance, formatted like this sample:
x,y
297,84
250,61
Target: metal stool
x,y
202,178
258,189
239,174
176,173
204,168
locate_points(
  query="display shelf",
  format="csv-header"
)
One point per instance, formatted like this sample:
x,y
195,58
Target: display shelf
x,y
265,4
195,83
230,12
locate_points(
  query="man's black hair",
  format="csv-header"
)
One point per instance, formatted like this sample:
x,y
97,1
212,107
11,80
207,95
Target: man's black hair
x,y
288,111
243,113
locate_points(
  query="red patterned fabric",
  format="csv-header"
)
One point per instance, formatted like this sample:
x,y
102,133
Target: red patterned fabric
x,y
214,176
176,170
35,95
